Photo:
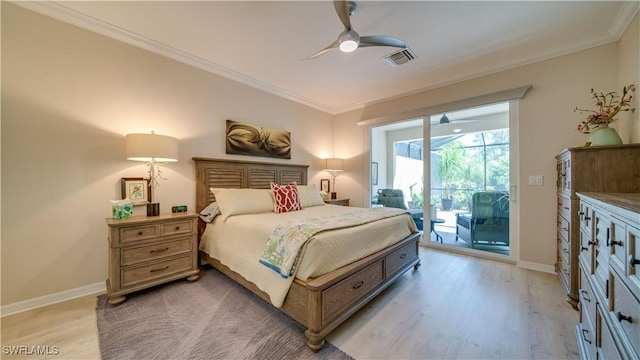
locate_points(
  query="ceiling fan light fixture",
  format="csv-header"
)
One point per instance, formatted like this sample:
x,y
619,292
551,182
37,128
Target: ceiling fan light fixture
x,y
349,41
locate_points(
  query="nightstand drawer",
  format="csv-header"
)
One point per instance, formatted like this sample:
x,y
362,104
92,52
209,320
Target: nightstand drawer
x,y
135,255
138,233
177,227
134,276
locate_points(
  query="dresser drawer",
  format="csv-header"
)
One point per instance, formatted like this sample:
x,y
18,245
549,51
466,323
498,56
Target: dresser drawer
x,y
177,227
397,259
133,255
586,337
626,311
564,207
617,242
633,254
563,227
587,297
351,289
137,233
563,268
608,348
137,275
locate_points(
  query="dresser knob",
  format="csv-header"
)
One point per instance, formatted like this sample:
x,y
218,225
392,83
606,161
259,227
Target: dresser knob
x,y
622,317
177,227
140,233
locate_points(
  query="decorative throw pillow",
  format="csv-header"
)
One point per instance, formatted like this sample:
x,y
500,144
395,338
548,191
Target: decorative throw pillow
x,y
286,198
309,196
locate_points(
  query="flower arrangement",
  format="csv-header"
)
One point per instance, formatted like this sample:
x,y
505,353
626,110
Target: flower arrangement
x,y
607,107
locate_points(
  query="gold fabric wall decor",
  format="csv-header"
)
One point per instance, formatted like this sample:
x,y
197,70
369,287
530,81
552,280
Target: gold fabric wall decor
x,y
247,139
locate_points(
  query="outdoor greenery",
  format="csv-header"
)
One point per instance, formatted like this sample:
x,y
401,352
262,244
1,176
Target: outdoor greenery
x,y
471,163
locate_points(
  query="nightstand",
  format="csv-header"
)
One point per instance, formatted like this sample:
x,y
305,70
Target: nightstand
x,y
343,202
148,251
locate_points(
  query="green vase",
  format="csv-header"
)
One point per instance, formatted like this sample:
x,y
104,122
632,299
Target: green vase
x,y
604,136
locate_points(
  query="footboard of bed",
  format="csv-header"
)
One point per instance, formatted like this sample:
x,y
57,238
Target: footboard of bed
x,y
325,302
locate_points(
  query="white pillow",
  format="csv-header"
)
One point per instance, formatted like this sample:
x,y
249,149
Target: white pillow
x,y
243,201
309,196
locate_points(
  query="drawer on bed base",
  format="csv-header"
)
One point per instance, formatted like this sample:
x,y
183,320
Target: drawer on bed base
x,y
399,258
339,296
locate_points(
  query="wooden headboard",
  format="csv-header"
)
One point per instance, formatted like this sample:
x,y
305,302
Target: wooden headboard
x,y
219,173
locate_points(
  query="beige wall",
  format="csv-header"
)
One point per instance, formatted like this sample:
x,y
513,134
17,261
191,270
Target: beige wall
x,y
68,98
546,126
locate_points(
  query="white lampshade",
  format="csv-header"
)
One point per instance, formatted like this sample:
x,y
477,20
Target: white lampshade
x,y
145,147
333,164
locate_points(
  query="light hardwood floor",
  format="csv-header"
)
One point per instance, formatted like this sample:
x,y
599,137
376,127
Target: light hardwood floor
x,y
453,307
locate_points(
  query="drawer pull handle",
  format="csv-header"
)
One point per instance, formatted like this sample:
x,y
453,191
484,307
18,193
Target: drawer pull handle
x,y
584,337
403,256
566,208
177,227
582,248
584,293
140,233
622,317
160,250
156,270
358,285
592,243
633,262
616,243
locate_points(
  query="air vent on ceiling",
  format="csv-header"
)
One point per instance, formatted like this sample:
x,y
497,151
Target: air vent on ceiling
x,y
401,57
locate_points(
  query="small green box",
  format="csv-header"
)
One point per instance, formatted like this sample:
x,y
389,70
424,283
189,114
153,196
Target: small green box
x,y
122,211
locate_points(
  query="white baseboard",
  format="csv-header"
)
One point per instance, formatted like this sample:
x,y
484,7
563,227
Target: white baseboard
x,y
537,267
21,306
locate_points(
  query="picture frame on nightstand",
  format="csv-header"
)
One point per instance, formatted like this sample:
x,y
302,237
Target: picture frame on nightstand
x,y
325,185
136,189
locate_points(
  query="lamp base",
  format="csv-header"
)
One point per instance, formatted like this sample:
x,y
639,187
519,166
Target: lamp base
x,y
153,209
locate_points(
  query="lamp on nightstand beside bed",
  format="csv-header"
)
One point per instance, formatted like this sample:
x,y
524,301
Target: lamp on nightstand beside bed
x,y
154,150
333,166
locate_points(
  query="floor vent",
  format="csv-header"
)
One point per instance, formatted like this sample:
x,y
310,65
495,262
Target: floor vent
x,y
401,57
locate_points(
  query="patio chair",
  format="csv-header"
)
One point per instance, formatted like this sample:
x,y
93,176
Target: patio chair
x,y
395,198
488,223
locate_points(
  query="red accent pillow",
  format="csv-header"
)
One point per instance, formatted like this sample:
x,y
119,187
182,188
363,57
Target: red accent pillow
x,y
286,198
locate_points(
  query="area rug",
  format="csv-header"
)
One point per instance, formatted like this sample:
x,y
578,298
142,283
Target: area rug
x,y
212,318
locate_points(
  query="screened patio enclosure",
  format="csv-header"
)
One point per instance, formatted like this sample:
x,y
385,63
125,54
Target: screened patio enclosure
x,y
461,165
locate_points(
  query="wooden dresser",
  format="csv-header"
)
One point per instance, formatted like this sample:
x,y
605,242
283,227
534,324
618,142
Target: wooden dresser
x,y
609,261
599,169
147,251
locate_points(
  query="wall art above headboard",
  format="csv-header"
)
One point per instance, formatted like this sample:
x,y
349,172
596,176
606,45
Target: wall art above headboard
x,y
247,139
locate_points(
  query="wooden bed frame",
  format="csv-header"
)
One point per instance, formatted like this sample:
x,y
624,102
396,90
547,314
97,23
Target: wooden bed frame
x,y
323,303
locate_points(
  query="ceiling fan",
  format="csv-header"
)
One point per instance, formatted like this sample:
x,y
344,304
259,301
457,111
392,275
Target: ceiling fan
x,y
349,40
444,120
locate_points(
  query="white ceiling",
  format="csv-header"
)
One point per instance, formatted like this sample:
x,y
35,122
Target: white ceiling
x,y
261,43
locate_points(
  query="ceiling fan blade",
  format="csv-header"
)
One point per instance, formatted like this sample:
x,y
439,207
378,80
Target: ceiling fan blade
x,y
381,40
333,45
344,10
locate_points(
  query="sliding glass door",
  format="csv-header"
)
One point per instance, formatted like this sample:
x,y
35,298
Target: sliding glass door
x,y
460,177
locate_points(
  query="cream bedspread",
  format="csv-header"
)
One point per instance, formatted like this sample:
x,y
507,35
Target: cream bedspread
x,y
239,241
